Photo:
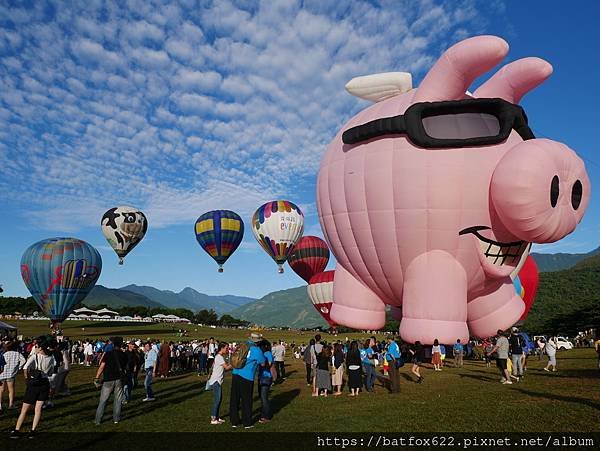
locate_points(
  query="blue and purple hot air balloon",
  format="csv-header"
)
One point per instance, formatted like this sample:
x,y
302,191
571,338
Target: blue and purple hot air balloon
x,y
59,273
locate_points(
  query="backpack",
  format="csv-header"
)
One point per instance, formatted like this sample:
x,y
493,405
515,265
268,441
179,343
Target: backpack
x,y
240,355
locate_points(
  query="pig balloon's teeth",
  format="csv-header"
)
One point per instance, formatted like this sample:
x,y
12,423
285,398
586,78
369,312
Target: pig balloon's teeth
x,y
498,253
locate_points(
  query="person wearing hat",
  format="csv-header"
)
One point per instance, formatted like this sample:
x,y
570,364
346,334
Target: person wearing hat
x,y
112,367
242,383
516,343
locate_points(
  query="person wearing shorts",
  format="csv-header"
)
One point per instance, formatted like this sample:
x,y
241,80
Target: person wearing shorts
x,y
501,349
37,370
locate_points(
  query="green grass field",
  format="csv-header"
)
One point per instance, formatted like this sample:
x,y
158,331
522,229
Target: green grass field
x,y
469,399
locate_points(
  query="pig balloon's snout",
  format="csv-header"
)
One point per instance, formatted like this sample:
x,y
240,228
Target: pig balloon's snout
x,y
540,190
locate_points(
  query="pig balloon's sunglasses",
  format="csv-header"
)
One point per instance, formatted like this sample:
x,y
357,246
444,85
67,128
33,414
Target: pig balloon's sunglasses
x,y
449,124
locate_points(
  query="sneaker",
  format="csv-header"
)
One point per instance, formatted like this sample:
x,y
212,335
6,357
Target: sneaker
x,y
15,434
31,434
507,383
514,377
264,420
221,421
249,427
554,370
502,380
115,422
234,425
148,399
546,369
215,422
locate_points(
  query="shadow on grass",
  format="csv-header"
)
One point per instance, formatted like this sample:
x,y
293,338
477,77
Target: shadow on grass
x,y
555,397
280,400
480,378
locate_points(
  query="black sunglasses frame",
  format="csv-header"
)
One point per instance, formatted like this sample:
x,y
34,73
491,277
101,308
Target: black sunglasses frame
x,y
510,117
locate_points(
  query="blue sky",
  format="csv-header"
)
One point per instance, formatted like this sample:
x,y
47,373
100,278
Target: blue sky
x,y
185,107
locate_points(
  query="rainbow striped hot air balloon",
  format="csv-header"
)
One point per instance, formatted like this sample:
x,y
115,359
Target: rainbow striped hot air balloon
x,y
219,232
309,257
277,226
59,273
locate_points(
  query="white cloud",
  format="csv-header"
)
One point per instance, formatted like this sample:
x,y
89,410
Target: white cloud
x,y
179,109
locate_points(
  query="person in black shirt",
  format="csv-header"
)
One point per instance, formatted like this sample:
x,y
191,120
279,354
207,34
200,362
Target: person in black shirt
x,y
133,363
113,367
417,359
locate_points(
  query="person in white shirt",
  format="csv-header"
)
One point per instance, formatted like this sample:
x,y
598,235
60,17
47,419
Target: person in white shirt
x,y
215,382
37,370
212,351
14,362
88,352
279,357
550,350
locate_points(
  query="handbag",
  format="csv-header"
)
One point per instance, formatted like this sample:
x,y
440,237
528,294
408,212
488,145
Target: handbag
x,y
35,377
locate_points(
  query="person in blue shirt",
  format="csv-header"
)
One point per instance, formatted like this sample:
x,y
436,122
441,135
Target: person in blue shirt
x,y
150,365
458,352
366,359
265,380
393,356
242,384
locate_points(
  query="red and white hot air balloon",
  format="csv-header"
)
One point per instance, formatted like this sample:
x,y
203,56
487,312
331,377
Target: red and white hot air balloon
x,y
320,292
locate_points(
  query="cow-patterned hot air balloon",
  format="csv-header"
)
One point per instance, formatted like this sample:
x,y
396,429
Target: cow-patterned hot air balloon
x,y
219,232
59,273
309,257
320,292
124,227
277,226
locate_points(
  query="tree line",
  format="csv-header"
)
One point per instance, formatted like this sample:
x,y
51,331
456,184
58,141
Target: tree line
x,y
26,306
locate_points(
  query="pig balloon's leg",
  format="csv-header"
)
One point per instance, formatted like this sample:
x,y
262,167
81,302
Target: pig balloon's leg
x,y
498,309
434,300
354,305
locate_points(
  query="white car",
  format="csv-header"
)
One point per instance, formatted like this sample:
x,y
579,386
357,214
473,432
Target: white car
x,y
562,343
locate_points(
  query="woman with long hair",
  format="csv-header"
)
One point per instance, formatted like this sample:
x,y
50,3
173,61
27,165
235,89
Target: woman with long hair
x,y
436,355
323,371
354,368
337,379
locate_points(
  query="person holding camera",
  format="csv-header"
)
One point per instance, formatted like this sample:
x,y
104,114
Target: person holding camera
x,y
37,370
113,366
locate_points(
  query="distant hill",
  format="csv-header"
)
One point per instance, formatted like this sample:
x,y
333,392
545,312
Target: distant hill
x,y
114,297
558,262
190,299
290,308
567,301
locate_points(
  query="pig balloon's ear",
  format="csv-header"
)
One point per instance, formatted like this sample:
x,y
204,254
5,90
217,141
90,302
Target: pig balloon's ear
x,y
378,87
456,69
516,79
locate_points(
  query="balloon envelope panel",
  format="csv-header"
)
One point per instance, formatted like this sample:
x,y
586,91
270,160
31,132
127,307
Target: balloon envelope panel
x,y
59,273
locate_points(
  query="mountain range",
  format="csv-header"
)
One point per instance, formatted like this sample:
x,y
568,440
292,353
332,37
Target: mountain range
x,y
188,298
560,261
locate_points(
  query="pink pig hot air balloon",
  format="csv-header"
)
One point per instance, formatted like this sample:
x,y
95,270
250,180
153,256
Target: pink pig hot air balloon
x,y
430,198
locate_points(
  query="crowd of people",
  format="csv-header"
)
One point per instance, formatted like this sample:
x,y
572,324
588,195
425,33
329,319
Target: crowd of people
x,y
46,362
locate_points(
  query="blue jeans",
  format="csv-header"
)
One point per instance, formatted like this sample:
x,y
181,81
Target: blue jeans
x,y
517,368
128,387
265,411
148,382
203,364
217,396
109,388
369,376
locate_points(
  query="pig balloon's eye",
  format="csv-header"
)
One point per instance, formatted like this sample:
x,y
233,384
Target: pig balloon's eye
x,y
576,194
554,191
